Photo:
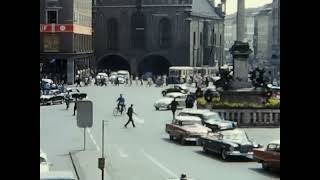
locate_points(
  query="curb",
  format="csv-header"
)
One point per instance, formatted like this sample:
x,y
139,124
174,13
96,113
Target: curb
x,y
74,166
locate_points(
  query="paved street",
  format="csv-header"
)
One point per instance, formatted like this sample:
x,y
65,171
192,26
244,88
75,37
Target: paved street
x,y
144,152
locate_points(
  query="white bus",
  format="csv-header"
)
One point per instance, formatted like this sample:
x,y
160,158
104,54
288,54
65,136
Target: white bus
x,y
181,71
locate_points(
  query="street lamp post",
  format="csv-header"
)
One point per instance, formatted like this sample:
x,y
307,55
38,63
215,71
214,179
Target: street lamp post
x,y
101,161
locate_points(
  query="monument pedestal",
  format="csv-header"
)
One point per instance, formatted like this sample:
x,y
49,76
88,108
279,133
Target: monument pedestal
x,y
240,52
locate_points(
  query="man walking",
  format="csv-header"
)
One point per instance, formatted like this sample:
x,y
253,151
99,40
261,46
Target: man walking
x,y
75,107
129,113
174,105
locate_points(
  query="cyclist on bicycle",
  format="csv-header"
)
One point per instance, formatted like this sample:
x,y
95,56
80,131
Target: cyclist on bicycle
x,y
120,101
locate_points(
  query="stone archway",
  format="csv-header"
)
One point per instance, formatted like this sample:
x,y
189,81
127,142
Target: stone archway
x,y
156,64
113,62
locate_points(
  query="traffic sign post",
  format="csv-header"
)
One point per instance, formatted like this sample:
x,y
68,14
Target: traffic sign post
x,y
84,117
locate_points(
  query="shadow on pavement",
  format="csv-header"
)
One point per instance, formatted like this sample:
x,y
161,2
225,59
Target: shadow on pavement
x,y
217,157
178,143
269,173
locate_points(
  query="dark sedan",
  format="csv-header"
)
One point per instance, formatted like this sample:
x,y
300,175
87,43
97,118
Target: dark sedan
x,y
229,143
174,89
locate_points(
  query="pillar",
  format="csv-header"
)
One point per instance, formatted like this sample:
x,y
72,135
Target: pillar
x,y
70,71
241,21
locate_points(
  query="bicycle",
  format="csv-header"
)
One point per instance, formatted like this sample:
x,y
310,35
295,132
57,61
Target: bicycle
x,y
117,112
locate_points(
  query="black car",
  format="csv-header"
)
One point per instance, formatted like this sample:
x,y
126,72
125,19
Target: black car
x,y
229,143
173,89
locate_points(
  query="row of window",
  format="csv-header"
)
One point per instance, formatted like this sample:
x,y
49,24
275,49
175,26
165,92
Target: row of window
x,y
138,32
81,19
82,43
213,39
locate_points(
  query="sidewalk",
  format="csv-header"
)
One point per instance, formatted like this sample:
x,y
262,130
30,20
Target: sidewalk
x,y
86,164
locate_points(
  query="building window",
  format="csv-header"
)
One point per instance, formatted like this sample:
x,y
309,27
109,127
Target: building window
x,y
112,34
52,16
165,33
201,39
138,30
194,38
220,40
215,39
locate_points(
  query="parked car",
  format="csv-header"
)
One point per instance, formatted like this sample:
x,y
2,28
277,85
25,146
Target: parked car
x,y
228,143
186,128
113,76
44,164
53,97
209,119
57,175
175,88
164,103
102,79
268,157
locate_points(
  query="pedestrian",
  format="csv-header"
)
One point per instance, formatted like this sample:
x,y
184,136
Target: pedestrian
x,y
130,113
141,81
78,82
174,105
183,177
207,82
67,100
131,79
75,107
137,80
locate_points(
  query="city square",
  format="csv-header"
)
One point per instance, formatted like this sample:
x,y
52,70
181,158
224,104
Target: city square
x,y
160,89
144,152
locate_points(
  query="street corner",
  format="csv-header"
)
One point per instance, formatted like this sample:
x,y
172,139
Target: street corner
x,y
85,164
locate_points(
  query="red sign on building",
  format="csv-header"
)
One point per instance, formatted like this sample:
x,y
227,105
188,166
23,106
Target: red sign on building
x,y
56,27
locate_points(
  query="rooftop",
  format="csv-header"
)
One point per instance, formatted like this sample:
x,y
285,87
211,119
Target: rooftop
x,y
204,8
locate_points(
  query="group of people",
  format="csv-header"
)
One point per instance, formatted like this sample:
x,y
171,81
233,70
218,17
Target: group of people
x,y
130,112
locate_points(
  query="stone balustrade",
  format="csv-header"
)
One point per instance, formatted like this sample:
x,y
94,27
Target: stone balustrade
x,y
251,117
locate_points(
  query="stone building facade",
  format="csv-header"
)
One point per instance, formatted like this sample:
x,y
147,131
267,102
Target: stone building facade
x,y
152,35
65,38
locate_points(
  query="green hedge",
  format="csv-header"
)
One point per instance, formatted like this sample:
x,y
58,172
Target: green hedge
x,y
271,104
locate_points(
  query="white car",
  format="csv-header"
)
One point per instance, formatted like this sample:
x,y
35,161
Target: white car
x,y
164,103
113,76
44,165
209,119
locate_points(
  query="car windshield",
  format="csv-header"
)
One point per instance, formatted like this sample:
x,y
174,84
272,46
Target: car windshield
x,y
214,117
235,136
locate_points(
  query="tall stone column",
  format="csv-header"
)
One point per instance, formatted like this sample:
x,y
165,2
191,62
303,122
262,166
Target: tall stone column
x,y
70,71
240,52
241,21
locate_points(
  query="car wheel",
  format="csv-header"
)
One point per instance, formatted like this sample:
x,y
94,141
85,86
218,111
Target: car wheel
x,y
157,108
205,149
265,166
163,93
170,137
182,141
224,155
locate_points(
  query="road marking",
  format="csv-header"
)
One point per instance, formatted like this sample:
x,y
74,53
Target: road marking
x,y
93,140
161,166
121,152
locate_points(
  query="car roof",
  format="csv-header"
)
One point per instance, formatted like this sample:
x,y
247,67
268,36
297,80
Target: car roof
x,y
196,111
57,175
187,118
176,94
275,142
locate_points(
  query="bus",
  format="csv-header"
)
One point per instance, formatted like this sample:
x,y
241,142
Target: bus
x,y
180,71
